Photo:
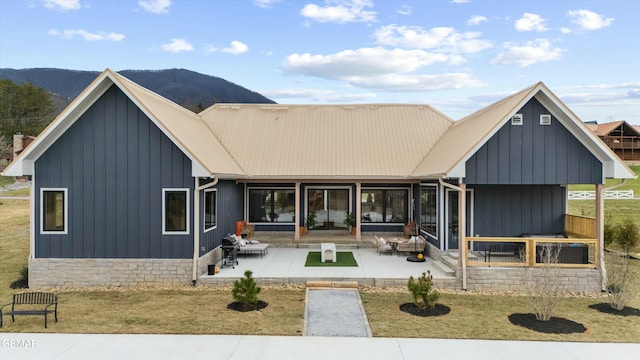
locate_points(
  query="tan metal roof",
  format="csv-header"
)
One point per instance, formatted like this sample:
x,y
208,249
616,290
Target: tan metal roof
x,y
184,127
299,141
467,134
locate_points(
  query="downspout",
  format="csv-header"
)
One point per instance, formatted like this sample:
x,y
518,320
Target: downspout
x,y
600,227
196,224
462,226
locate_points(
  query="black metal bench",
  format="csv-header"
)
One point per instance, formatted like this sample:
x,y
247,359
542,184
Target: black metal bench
x,y
32,298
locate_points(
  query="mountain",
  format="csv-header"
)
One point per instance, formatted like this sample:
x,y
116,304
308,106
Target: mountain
x,y
190,89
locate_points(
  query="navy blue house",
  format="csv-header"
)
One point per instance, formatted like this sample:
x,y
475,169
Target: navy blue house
x,y
130,188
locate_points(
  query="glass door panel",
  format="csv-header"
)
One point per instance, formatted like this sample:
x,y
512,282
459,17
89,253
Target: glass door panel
x,y
330,207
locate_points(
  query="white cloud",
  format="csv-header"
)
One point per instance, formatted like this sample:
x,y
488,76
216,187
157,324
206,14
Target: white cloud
x,y
565,30
155,6
476,20
265,3
86,35
530,22
380,69
438,38
405,10
589,20
460,1
317,95
62,5
176,46
344,12
236,48
361,62
416,83
539,50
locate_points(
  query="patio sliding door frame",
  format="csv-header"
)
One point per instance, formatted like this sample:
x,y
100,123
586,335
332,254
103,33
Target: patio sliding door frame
x,y
307,188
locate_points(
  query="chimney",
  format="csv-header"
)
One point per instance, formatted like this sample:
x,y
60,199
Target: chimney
x,y
17,144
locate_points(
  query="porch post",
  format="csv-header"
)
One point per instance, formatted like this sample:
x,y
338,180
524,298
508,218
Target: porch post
x,y
358,209
298,217
462,232
600,232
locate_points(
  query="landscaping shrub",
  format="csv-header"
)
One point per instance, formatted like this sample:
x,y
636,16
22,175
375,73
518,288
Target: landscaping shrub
x,y
424,296
245,290
542,285
619,277
627,235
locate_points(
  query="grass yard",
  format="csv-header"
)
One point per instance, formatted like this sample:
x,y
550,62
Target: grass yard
x,y
631,184
203,310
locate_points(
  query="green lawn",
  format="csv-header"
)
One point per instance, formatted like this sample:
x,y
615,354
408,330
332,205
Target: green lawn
x,y
631,184
6,180
203,310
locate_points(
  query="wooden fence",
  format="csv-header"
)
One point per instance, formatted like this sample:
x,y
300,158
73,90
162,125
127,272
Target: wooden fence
x,y
580,226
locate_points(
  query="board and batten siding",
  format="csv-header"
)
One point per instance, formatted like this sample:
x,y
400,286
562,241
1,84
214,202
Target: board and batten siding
x,y
115,162
230,209
532,153
514,210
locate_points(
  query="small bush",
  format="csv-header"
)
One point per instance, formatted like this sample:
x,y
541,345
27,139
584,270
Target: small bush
x,y
627,235
620,281
609,233
23,281
424,296
542,285
245,290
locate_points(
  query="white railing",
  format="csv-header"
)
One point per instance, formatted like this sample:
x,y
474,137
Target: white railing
x,y
609,194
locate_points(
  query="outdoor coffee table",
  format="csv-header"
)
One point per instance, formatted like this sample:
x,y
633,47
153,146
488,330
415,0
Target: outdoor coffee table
x,y
324,247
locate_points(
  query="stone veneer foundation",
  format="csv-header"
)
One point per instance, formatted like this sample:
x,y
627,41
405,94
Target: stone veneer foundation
x,y
59,272
511,279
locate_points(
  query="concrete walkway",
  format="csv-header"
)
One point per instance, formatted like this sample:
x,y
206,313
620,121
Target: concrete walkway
x,y
192,347
335,312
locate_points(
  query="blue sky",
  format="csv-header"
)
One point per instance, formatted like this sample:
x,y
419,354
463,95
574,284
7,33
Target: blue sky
x,y
456,55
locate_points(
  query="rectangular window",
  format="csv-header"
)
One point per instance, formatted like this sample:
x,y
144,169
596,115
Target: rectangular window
x,y
429,210
516,119
272,205
54,211
384,205
545,119
175,214
210,206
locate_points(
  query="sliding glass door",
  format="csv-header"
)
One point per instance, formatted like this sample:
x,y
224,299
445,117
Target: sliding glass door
x,y
330,207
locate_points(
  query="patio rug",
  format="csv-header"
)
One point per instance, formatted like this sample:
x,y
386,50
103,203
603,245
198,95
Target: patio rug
x,y
343,259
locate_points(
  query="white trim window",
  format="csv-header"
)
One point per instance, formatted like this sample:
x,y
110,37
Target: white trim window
x,y
175,211
54,211
210,209
429,209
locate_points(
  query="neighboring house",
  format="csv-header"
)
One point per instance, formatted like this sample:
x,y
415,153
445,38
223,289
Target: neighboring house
x,y
621,137
131,188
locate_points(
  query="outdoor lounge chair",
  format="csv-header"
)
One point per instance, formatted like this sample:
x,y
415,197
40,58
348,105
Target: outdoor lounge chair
x,y
383,246
414,245
251,246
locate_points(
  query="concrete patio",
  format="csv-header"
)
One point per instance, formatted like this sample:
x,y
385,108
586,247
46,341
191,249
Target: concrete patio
x,y
284,264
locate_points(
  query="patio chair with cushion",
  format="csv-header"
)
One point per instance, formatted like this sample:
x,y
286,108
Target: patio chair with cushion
x,y
383,246
413,245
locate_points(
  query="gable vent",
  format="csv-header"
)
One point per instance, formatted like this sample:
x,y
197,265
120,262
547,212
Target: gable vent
x,y
516,119
545,119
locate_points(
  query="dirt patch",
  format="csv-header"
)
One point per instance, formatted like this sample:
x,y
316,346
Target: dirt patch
x,y
555,325
437,310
